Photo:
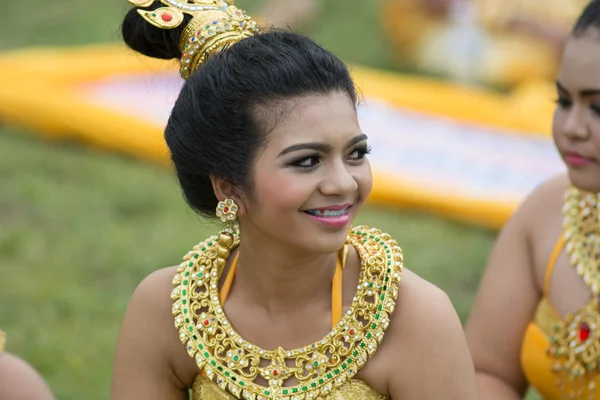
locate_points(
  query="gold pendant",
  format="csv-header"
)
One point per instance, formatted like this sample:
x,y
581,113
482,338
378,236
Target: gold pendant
x,y
310,372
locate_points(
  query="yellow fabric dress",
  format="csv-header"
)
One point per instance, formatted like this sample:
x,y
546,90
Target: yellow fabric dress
x,y
535,361
354,389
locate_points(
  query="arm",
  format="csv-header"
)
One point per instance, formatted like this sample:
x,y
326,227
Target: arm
x,y
506,302
431,359
19,381
143,365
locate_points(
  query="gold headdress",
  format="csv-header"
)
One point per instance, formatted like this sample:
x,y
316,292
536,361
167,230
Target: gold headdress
x,y
215,25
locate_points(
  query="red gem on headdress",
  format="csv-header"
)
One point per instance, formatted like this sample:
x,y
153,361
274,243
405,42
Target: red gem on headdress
x,y
275,373
584,331
351,332
226,209
167,17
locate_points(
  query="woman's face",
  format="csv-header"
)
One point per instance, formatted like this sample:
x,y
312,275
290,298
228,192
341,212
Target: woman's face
x,y
311,178
577,117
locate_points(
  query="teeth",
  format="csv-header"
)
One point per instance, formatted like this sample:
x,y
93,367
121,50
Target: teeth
x,y
328,213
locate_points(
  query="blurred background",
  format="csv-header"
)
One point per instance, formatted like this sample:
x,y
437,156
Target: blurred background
x,y
80,228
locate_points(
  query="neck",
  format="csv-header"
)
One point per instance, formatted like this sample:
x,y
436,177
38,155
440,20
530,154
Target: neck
x,y
278,279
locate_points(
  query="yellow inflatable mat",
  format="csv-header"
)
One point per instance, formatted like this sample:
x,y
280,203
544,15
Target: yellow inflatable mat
x,y
465,153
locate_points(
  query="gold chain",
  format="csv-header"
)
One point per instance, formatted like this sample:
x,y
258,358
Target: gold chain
x,y
310,372
575,345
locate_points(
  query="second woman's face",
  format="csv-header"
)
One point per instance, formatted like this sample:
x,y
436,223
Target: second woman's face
x,y
312,176
576,127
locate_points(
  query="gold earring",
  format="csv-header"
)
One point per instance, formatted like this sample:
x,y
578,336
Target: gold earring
x,y
227,212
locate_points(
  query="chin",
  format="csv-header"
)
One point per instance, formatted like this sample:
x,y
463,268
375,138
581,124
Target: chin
x,y
586,180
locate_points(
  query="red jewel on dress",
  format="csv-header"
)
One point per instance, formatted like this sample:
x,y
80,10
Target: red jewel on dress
x,y
351,331
167,17
206,322
226,209
275,373
584,331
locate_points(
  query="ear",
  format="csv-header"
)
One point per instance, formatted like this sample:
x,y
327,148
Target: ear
x,y
226,190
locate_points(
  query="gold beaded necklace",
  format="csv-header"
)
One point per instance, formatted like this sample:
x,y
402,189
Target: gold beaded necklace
x,y
575,346
310,372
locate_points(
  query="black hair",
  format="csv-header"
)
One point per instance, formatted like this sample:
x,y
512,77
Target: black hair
x,y
590,18
214,129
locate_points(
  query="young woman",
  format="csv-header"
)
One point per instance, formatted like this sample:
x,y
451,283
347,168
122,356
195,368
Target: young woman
x,y
288,301
536,319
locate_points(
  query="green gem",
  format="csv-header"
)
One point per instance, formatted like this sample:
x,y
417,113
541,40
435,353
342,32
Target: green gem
x,y
294,390
304,388
267,392
187,273
200,346
373,326
191,264
184,292
389,263
285,391
370,285
321,381
389,271
196,255
200,276
337,371
379,307
313,385
236,358
210,243
349,360
191,329
377,239
185,282
185,310
213,363
376,316
382,297
316,364
183,301
329,376
371,236
208,355
233,378
355,353
344,366
154,15
387,278
204,249
187,320
220,369
362,345
227,374
242,383
369,335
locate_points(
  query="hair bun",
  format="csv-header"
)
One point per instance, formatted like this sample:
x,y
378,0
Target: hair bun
x,y
149,40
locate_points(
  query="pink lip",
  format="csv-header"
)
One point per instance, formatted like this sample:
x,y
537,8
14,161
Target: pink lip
x,y
577,160
337,222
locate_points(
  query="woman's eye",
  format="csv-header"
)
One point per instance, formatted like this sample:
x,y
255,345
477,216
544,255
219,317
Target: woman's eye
x,y
360,153
563,102
307,162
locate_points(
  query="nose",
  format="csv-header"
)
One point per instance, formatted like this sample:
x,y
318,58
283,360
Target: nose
x,y
575,126
338,181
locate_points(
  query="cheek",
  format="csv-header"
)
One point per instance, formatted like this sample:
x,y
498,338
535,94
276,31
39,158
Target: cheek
x,y
364,179
557,123
281,191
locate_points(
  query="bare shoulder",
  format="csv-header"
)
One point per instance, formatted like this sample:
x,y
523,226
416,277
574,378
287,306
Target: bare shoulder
x,y
427,336
546,200
156,356
20,381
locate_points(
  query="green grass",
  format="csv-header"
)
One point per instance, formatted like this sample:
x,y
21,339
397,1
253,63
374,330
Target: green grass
x,y
80,228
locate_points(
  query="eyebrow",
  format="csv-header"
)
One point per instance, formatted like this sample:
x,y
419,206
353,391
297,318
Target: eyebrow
x,y
582,93
322,147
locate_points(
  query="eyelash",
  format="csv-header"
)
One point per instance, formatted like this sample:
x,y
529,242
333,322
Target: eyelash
x,y
361,151
565,103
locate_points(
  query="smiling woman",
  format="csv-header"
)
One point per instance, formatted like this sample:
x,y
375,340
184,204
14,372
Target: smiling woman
x,y
288,301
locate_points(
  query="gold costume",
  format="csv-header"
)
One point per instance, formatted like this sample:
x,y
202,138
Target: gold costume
x,y
560,357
